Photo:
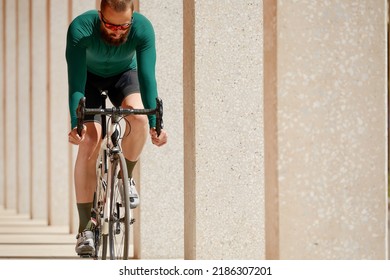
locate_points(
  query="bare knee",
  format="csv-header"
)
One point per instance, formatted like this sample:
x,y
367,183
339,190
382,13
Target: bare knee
x,y
90,146
135,121
89,149
138,121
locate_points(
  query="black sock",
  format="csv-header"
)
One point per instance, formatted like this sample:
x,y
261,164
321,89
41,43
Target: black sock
x,y
130,167
84,210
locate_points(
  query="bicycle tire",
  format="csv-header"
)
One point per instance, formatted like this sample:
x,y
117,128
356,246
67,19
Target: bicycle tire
x,y
119,222
100,200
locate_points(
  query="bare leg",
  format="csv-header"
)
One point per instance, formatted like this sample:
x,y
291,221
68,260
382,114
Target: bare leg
x,y
85,167
136,133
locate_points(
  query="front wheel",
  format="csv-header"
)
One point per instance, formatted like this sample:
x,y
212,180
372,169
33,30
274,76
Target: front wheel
x,y
99,208
119,221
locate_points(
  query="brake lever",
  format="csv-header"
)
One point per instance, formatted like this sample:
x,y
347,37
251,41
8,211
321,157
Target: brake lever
x,y
80,112
159,116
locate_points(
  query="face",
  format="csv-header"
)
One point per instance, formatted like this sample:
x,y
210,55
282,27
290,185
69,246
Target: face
x,y
115,26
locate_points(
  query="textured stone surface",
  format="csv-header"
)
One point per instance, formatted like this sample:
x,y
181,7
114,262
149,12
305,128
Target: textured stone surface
x,y
23,141
58,98
332,129
161,180
228,130
10,116
39,107
2,93
330,149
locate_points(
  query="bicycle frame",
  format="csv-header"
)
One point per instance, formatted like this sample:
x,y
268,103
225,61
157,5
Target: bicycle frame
x,y
115,196
109,150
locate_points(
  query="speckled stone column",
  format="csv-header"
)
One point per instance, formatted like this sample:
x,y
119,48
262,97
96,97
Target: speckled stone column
x,y
58,101
223,130
23,103
159,232
2,94
9,99
39,129
75,8
332,129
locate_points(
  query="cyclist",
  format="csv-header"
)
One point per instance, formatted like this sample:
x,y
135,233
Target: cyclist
x,y
112,49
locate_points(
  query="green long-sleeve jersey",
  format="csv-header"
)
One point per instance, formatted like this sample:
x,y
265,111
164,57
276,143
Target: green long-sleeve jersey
x,y
86,51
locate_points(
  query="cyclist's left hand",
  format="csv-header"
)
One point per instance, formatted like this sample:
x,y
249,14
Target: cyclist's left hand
x,y
73,136
160,140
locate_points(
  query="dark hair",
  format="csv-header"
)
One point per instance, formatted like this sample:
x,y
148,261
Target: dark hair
x,y
117,5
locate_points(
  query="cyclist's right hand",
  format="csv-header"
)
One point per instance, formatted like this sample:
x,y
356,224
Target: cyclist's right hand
x,y
74,137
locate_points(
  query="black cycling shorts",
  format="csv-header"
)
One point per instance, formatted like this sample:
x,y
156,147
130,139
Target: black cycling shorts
x,y
117,87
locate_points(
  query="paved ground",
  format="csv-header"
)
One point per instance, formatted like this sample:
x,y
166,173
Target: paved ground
x,y
23,238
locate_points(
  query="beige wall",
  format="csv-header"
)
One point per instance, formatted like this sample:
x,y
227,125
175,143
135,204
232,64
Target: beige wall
x,y
58,188
223,121
39,109
276,118
10,105
161,175
332,100
23,91
2,90
75,8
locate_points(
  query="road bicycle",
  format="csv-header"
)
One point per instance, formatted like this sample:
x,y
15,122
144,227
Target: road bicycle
x,y
111,206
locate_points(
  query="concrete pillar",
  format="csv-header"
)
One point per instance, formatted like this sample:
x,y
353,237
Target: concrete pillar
x,y
75,8
2,104
58,112
23,107
302,177
79,7
331,121
223,130
159,231
10,97
39,118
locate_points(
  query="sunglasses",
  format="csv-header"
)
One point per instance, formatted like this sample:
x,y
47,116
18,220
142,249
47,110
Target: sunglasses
x,y
115,27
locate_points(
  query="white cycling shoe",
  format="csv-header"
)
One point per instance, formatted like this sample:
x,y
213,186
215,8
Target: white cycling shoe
x,y
85,243
133,194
